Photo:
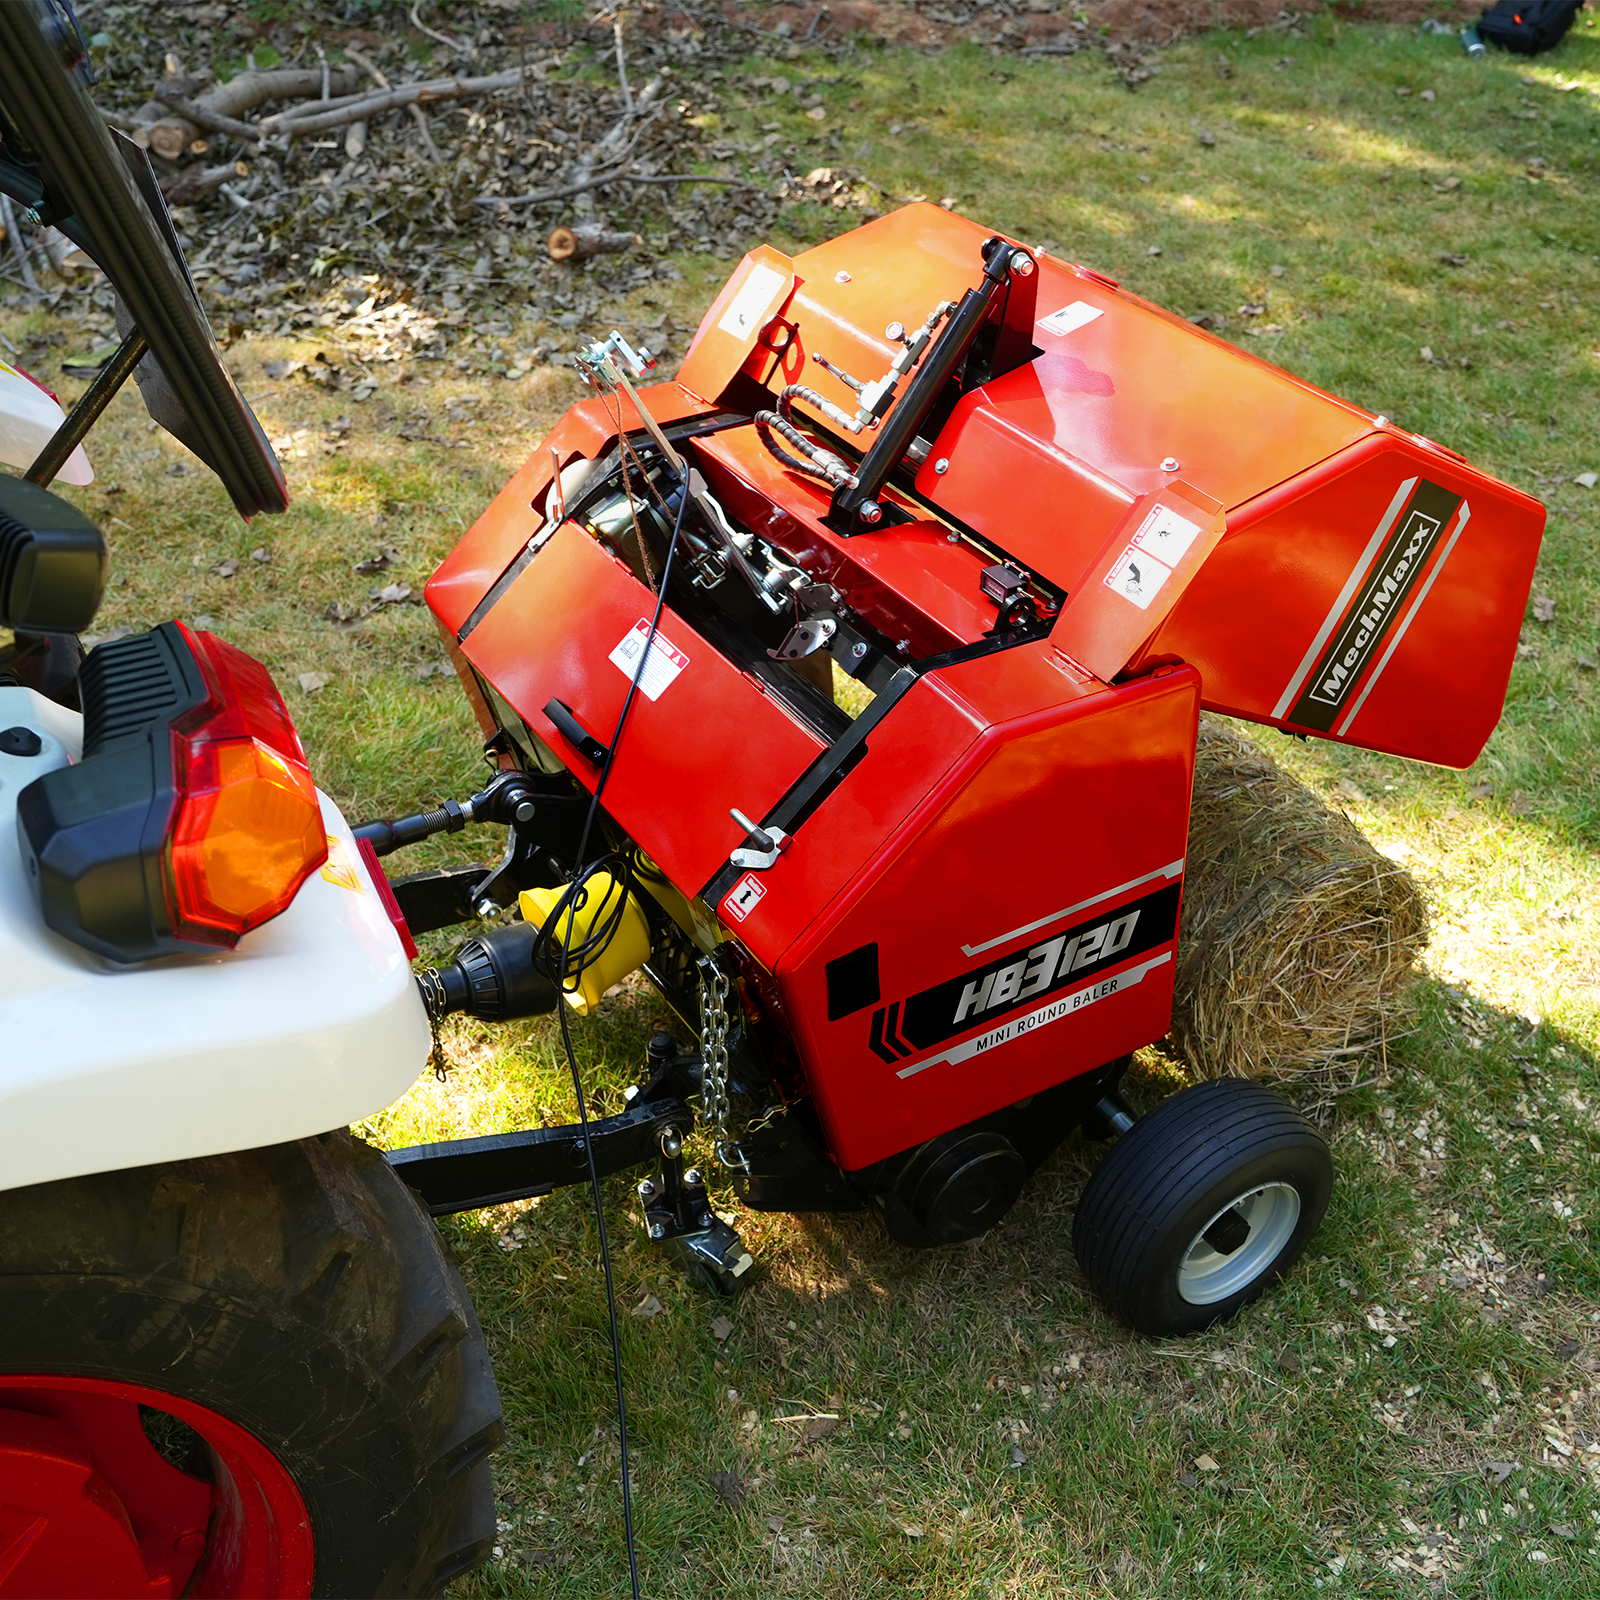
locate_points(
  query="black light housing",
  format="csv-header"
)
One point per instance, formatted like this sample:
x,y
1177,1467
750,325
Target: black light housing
x,y
53,561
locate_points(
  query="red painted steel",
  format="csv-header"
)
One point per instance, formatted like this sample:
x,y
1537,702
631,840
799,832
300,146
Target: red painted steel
x,y
89,1508
984,904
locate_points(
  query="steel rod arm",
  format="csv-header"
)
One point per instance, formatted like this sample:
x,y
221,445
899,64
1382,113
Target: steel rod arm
x,y
86,412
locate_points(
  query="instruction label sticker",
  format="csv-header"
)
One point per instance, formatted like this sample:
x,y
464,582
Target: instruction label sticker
x,y
744,897
746,309
1166,535
1138,576
1072,317
663,662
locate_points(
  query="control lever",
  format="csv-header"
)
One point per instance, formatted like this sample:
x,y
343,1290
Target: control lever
x,y
508,799
769,844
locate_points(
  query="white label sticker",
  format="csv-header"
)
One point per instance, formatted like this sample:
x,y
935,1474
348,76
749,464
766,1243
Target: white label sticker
x,y
1167,535
1137,576
744,898
1070,317
745,310
664,662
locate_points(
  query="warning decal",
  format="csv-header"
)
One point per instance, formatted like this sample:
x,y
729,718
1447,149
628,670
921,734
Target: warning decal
x,y
1069,318
744,898
745,310
664,662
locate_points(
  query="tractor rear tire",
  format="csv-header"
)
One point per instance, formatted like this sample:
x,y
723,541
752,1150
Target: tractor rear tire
x,y
255,1373
1200,1206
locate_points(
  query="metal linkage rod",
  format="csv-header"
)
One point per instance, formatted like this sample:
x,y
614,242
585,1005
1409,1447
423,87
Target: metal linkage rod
x,y
86,412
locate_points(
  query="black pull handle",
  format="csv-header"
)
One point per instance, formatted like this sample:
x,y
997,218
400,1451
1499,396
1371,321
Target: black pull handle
x,y
576,734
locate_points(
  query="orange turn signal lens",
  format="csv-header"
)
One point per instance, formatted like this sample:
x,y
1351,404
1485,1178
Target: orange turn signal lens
x,y
248,833
248,829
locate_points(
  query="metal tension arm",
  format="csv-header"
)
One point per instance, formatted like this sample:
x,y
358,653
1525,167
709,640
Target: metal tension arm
x,y
86,412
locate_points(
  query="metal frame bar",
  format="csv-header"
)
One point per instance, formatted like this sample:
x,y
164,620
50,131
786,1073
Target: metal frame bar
x,y
86,412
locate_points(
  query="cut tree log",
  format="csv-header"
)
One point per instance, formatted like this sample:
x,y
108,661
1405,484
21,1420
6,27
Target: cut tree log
x,y
584,239
196,182
173,134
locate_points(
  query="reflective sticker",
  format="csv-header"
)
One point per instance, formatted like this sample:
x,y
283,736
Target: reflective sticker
x,y
1068,318
744,898
747,308
340,868
663,663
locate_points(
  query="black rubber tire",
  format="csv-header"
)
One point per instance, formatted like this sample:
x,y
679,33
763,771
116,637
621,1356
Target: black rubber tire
x,y
107,215
302,1292
1174,1171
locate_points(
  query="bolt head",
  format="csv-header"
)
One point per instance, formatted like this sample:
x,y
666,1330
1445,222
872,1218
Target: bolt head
x,y
895,331
858,650
1171,464
646,1188
1021,264
705,1219
841,276
524,811
692,1177
486,908
942,465
658,1230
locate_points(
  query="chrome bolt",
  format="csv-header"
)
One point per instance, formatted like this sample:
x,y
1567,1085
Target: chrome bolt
x,y
953,538
841,276
1021,264
1171,464
705,1219
658,1230
870,513
858,650
486,909
692,1177
646,1188
942,465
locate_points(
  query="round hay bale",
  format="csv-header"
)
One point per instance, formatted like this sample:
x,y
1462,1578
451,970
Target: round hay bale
x,y
1299,940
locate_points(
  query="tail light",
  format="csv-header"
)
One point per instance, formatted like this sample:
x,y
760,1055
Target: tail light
x,y
192,817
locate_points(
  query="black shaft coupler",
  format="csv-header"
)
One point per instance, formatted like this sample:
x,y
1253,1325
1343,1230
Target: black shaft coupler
x,y
491,977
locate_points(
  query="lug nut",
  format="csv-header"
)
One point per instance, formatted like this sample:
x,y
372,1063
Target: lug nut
x,y
870,513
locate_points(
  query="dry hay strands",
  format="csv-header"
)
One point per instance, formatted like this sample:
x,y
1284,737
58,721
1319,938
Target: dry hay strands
x,y
1299,940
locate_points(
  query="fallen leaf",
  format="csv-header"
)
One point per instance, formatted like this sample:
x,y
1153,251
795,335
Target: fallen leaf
x,y
648,1307
261,554
1205,138
1154,250
816,1430
1428,94
282,369
1347,788
1018,1457
1451,259
1188,1480
817,114
910,1530
392,594
774,1524
1587,480
1483,791
730,1487
1501,1470
310,682
225,569
1206,1464
1544,608
1588,665
1252,308
1426,352
721,1327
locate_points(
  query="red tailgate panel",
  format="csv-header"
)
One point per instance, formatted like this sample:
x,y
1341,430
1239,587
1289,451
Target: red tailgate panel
x,y
710,741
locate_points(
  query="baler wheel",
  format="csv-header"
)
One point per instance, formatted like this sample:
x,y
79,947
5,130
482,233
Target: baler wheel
x,y
245,1375
1200,1206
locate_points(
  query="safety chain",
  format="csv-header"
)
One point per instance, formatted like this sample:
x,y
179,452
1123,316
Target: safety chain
x,y
714,1060
436,1005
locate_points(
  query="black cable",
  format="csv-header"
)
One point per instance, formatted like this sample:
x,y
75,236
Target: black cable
x,y
594,942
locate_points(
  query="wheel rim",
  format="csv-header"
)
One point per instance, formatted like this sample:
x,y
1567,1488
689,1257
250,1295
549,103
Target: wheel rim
x,y
92,1500
1238,1244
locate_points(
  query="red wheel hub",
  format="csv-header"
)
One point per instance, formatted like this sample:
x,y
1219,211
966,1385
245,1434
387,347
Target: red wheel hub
x,y
90,1507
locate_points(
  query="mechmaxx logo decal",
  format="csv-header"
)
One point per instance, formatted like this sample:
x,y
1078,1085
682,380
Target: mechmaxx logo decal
x,y
904,1027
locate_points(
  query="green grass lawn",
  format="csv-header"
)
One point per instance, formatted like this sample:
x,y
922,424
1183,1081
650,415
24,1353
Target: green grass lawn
x,y
987,1430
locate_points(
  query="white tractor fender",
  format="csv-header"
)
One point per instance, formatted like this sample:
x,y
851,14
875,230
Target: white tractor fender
x,y
312,1022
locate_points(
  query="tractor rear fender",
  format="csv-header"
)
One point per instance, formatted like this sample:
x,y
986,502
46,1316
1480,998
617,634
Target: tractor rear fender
x,y
311,1022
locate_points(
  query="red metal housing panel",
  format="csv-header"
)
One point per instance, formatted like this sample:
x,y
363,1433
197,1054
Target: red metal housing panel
x,y
710,739
1066,816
